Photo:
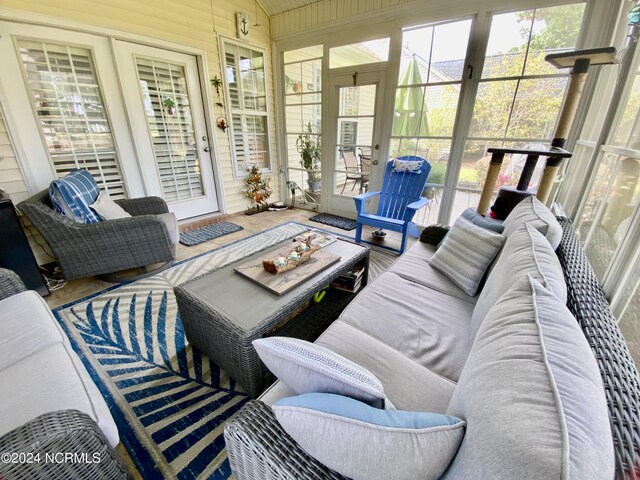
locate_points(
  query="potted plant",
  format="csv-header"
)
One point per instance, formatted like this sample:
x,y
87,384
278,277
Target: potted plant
x,y
309,148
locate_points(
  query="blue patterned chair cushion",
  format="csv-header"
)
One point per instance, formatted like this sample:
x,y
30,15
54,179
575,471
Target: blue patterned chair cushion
x,y
72,195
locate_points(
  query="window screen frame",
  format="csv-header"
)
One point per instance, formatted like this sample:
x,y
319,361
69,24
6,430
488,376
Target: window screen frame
x,y
231,112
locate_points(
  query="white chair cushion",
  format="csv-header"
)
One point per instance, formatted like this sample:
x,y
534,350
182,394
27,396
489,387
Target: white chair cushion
x,y
50,380
27,326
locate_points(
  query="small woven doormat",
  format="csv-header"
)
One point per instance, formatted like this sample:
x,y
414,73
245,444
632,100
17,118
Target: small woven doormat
x,y
334,220
208,232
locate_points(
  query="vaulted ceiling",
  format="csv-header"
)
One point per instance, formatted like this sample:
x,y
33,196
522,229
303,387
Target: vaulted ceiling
x,y
274,7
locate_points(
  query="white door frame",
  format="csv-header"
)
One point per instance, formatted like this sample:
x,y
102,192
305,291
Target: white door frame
x,y
343,77
126,53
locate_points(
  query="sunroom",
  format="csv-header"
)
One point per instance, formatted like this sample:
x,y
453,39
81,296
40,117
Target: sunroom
x,y
198,102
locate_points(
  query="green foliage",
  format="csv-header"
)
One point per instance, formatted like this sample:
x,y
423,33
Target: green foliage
x,y
308,146
436,175
562,25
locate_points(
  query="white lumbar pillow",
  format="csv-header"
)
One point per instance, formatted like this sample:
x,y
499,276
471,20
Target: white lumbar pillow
x,y
107,209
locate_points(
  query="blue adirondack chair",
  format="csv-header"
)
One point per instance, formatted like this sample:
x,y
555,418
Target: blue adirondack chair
x,y
400,198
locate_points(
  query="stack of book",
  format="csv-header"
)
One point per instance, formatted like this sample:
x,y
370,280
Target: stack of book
x,y
350,281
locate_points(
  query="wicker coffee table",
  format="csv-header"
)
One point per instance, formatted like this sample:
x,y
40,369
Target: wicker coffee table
x,y
223,312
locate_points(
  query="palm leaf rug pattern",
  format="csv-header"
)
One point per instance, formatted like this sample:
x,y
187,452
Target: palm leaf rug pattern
x,y
169,401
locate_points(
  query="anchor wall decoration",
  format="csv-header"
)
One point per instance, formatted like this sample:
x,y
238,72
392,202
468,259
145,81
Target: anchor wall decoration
x,y
242,25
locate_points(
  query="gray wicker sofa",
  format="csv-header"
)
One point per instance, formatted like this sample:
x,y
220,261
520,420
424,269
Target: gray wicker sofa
x,y
49,406
259,448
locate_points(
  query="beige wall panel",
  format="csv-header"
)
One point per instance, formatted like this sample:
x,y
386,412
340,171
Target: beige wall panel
x,y
192,23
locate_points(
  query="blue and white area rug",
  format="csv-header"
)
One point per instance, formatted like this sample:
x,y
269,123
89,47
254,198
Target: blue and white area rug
x,y
169,401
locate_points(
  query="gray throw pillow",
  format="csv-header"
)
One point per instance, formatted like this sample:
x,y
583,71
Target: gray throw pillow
x,y
532,396
465,253
305,367
365,443
477,219
533,211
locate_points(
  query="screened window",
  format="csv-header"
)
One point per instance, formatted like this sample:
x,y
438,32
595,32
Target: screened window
x,y
519,94
303,104
430,78
247,99
69,106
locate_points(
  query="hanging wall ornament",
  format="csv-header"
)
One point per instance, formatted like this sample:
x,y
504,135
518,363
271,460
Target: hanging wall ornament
x,y
222,124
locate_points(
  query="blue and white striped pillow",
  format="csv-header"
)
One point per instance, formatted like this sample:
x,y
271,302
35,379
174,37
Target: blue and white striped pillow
x,y
72,195
305,367
465,253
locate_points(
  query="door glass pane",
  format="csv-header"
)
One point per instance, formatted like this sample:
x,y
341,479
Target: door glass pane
x,y
352,155
607,216
64,89
519,95
432,67
166,102
359,53
630,311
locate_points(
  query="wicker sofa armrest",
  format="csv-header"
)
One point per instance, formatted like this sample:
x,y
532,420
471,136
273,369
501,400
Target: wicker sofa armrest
x,y
433,234
40,445
144,206
258,447
588,304
10,283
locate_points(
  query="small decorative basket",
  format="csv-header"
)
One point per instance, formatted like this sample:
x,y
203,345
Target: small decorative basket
x,y
300,253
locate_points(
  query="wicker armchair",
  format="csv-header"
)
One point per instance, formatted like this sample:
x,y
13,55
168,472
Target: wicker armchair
x,y
60,445
259,448
105,247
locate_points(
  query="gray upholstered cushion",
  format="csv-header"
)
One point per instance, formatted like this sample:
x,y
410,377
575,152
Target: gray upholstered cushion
x,y
408,385
308,368
413,265
465,253
367,443
526,252
532,396
428,326
533,211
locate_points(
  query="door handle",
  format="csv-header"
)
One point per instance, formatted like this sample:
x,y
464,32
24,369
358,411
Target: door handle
x,y
206,149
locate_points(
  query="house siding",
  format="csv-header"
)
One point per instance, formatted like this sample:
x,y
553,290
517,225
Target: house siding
x,y
192,23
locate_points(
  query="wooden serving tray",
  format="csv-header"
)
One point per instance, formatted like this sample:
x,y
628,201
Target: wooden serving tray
x,y
282,282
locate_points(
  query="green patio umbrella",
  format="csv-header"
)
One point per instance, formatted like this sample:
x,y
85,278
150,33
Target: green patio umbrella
x,y
410,110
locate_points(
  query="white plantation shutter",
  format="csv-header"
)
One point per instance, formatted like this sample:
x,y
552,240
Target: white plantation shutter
x,y
248,101
63,87
171,127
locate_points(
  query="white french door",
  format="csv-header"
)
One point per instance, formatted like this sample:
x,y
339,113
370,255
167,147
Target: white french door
x,y
64,104
164,90
355,161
